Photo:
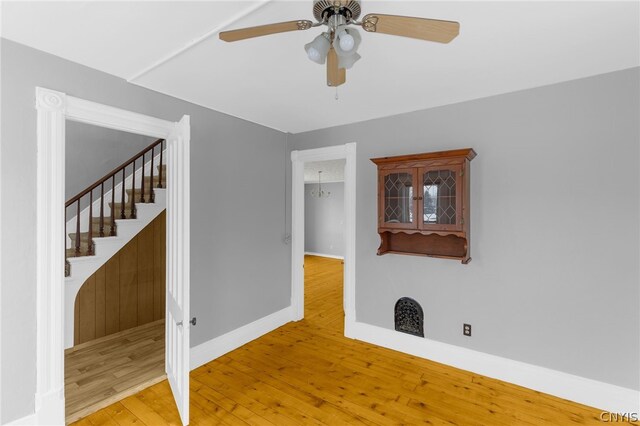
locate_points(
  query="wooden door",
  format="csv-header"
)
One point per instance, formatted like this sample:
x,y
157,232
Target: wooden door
x,y
398,199
440,198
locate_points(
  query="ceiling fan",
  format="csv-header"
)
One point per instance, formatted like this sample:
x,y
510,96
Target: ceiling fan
x,y
338,45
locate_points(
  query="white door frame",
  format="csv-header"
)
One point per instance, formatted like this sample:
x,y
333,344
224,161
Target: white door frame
x,y
298,158
53,109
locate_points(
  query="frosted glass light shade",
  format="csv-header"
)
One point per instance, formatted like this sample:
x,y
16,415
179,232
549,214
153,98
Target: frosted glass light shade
x,y
347,62
318,49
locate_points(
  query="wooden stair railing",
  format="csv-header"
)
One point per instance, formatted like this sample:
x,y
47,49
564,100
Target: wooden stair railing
x,y
88,248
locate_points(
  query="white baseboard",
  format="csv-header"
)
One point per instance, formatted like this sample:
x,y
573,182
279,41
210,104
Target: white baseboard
x,y
216,347
331,256
605,396
590,392
49,411
30,420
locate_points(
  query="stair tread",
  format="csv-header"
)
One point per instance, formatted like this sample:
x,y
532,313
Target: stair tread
x,y
84,236
127,206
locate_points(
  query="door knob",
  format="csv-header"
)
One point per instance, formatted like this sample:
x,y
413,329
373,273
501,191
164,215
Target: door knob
x,y
192,322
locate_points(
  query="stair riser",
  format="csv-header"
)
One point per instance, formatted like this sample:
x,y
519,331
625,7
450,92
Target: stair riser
x,y
84,251
148,198
106,230
118,211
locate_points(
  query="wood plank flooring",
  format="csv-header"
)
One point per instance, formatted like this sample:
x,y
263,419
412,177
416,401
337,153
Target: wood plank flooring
x,y
103,371
308,373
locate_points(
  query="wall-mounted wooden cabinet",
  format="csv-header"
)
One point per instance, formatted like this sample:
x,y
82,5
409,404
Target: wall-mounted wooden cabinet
x,y
423,204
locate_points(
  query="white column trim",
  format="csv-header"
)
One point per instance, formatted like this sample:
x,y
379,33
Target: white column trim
x,y
298,158
297,238
350,239
49,398
53,109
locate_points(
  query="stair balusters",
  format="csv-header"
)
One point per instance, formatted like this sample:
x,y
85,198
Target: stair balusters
x,y
78,229
142,185
78,249
160,166
133,190
101,210
122,215
90,236
152,197
112,232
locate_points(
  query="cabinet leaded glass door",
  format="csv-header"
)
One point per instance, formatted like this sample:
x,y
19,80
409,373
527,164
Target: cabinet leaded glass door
x,y
440,200
398,202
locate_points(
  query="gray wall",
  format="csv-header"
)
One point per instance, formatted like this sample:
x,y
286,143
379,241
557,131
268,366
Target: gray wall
x,y
232,240
91,152
324,220
555,194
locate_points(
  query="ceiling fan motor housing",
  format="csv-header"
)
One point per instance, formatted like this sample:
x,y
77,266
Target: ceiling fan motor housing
x,y
324,9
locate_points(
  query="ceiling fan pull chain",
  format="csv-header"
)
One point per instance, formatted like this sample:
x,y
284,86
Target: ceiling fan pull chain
x,y
337,93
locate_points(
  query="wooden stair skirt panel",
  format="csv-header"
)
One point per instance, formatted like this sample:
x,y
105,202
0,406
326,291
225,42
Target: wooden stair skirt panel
x,y
128,290
433,245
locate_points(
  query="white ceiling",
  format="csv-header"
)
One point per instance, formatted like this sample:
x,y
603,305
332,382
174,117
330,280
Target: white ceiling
x,y
332,171
502,47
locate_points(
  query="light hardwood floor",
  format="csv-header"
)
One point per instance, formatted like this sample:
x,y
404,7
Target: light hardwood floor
x,y
308,373
103,371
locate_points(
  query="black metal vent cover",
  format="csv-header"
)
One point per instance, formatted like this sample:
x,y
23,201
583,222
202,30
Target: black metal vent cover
x,y
409,317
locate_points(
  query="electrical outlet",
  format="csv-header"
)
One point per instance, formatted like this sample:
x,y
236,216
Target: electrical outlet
x,y
466,329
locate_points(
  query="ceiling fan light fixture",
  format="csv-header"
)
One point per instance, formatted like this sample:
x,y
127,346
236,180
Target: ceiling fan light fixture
x,y
318,49
337,46
347,41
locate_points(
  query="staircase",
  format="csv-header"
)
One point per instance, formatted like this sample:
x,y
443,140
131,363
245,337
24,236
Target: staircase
x,y
136,195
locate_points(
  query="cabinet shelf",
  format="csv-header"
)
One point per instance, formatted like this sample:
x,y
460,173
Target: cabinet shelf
x,y
446,194
431,244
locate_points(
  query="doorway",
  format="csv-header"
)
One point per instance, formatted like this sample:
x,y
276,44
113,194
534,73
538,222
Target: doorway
x,y
347,153
53,110
324,243
118,324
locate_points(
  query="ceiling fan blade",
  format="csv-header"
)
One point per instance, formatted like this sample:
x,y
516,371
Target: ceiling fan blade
x,y
406,26
262,30
335,76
